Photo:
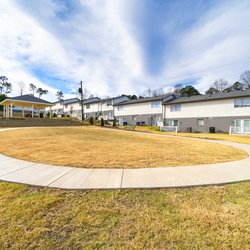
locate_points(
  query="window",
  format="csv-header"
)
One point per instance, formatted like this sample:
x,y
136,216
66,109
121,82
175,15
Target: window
x,y
133,117
239,103
200,122
109,103
66,105
87,106
175,107
172,123
110,115
119,108
156,104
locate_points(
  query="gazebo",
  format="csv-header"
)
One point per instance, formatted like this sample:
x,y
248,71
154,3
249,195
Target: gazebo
x,y
24,101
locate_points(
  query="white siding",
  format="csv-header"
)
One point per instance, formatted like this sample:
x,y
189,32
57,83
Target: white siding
x,y
216,108
104,107
94,107
72,106
143,108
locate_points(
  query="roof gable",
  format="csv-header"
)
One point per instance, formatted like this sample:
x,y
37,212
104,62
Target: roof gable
x,y
29,98
201,98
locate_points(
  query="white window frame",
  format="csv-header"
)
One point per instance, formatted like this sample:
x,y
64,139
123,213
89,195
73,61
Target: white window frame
x,y
87,106
133,118
155,104
241,101
109,103
201,120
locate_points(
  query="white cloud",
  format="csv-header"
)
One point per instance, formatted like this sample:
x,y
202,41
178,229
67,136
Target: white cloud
x,y
98,50
94,43
217,46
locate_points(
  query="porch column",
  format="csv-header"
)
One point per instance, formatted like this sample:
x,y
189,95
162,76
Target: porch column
x,y
50,113
23,111
11,110
32,110
4,111
8,110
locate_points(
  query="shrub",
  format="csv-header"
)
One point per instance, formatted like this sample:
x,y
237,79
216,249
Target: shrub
x,y
54,115
114,123
102,122
91,120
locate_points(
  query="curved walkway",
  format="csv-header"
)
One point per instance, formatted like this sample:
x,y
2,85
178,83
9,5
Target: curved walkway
x,y
18,171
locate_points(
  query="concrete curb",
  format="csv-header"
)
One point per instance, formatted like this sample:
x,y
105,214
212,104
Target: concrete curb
x,y
18,171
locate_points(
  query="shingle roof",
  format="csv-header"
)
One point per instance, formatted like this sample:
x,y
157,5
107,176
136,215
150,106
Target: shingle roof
x,y
29,98
200,98
146,99
92,100
71,100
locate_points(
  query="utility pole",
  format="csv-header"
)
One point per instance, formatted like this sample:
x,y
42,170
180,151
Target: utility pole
x,y
80,90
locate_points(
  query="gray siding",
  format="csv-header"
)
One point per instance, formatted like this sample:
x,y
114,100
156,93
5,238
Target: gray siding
x,y
149,120
221,124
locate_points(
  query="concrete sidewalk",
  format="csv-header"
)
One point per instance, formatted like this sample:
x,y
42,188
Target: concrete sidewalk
x,y
18,171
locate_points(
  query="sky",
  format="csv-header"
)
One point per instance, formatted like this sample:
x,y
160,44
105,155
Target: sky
x,y
122,46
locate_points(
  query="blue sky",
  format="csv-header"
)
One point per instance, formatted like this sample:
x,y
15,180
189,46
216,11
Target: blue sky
x,y
123,46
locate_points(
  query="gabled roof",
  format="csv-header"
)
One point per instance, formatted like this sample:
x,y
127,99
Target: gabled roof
x,y
146,99
71,100
92,100
112,98
28,98
219,96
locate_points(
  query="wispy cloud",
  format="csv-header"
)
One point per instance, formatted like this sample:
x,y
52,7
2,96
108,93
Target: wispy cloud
x,y
122,46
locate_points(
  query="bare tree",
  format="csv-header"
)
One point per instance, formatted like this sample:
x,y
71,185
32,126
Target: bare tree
x,y
32,88
147,93
245,79
71,109
157,92
21,86
220,85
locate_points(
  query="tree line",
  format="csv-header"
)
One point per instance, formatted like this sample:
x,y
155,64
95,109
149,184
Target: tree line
x,y
218,86
6,88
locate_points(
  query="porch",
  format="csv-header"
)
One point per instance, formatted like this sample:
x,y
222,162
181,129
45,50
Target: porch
x,y
25,106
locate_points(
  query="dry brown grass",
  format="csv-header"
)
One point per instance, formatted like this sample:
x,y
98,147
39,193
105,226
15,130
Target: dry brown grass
x,y
192,218
245,139
98,148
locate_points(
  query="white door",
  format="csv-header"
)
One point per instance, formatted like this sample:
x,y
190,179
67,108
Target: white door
x,y
238,126
120,121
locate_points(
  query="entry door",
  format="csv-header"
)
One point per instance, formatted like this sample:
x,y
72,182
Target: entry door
x,y
238,126
120,121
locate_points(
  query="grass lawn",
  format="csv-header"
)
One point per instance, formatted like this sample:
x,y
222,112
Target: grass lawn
x,y
245,139
95,147
192,218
